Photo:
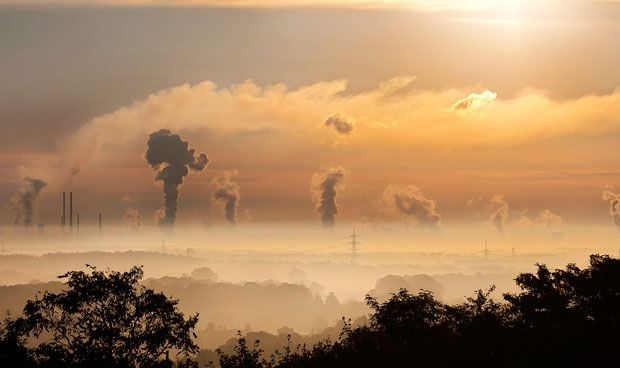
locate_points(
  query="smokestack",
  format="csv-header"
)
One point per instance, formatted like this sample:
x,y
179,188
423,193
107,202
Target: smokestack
x,y
99,223
64,210
78,224
71,212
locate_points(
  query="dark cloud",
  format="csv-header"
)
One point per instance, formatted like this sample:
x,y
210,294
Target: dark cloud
x,y
324,188
339,123
24,201
171,158
410,200
228,192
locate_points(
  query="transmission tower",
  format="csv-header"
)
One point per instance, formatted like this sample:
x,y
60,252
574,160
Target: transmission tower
x,y
353,244
486,250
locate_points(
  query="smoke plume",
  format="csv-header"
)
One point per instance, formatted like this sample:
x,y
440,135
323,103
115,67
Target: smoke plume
x,y
227,192
158,216
499,212
496,210
339,123
614,205
549,219
324,188
132,218
23,202
409,200
171,158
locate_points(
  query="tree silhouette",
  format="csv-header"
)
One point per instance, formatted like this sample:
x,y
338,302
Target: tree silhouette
x,y
568,317
105,319
13,353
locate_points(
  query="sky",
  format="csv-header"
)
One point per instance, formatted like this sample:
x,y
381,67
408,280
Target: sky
x,y
445,112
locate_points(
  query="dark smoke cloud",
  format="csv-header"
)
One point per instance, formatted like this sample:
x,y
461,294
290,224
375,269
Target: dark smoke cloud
x,y
410,201
228,192
614,205
496,210
171,158
23,202
324,188
340,123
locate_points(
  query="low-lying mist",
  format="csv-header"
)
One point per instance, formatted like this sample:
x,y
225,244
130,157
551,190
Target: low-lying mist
x,y
299,278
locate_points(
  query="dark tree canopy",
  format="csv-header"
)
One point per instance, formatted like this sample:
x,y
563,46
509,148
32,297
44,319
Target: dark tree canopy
x,y
563,318
567,317
104,319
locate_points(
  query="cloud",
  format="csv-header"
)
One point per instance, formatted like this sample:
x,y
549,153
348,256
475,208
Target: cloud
x,y
339,123
392,115
474,101
324,188
409,200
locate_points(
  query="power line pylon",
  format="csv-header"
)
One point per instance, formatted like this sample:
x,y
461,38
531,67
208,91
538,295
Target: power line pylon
x,y
486,250
353,244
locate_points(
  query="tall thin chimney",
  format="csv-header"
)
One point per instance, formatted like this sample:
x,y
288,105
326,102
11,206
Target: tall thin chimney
x,y
64,211
71,212
99,223
78,224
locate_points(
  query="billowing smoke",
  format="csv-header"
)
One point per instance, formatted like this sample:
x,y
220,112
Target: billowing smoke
x,y
158,216
132,218
545,218
499,212
549,219
614,205
171,158
324,188
227,192
24,201
410,201
339,123
496,210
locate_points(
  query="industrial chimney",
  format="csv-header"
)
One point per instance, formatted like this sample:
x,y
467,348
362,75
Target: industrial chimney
x,y
64,211
71,212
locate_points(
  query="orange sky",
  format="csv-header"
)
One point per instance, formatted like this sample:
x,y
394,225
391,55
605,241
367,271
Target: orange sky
x,y
518,101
